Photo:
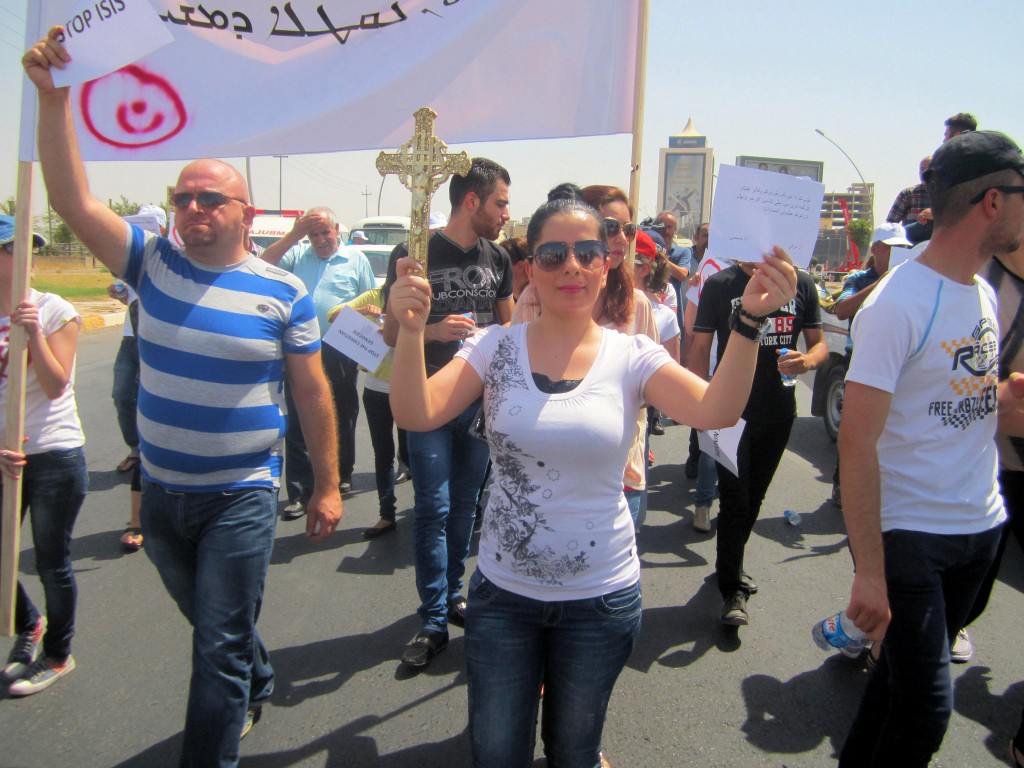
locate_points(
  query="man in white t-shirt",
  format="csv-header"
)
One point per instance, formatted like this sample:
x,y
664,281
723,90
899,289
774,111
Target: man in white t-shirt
x,y
922,507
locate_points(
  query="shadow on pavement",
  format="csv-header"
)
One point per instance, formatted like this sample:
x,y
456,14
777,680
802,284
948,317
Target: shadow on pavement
x,y
798,714
1000,715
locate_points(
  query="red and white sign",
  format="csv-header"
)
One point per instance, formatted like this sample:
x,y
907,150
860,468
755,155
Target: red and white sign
x,y
262,77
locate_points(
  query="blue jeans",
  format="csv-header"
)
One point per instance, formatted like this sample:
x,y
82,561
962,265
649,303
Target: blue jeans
x,y
126,389
707,480
448,466
576,648
212,551
932,581
53,488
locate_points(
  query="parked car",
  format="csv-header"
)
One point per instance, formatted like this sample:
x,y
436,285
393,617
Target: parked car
x,y
827,394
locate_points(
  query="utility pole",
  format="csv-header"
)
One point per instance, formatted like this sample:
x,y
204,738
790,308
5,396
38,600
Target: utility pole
x,y
280,184
367,194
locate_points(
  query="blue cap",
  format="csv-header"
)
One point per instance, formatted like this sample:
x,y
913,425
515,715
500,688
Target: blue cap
x,y
7,233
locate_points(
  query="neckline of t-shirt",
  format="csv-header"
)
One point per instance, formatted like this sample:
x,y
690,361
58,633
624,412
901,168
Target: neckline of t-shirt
x,y
222,269
475,245
524,353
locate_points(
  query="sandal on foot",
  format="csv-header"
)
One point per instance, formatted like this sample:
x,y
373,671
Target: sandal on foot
x,y
131,539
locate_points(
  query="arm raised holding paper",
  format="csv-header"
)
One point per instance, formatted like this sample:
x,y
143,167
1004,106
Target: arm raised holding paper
x,y
97,226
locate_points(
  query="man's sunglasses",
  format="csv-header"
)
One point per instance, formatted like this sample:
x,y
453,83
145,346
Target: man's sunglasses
x,y
590,254
204,200
612,227
1005,190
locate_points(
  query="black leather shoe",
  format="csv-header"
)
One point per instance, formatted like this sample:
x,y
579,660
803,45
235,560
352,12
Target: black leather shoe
x,y
374,531
423,647
457,611
293,511
345,485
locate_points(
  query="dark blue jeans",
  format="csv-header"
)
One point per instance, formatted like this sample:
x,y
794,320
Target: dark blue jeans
x,y
448,466
126,389
382,436
212,551
576,648
53,489
932,581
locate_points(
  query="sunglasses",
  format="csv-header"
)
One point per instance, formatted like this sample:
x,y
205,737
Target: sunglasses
x,y
204,200
1005,190
612,227
590,254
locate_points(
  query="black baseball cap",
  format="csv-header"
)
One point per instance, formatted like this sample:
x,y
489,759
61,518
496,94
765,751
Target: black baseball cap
x,y
972,155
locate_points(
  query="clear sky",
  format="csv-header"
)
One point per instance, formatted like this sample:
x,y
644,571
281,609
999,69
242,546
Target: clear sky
x,y
879,77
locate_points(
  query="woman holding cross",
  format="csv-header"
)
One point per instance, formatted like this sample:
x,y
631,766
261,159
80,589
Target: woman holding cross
x,y
556,597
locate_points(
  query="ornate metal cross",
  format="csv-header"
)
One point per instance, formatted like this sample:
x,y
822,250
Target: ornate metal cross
x,y
422,164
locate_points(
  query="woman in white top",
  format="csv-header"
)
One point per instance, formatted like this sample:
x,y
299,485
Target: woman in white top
x,y
556,596
54,479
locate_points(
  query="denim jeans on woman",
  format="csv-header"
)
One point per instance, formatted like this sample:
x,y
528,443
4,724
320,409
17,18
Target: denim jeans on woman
x,y
932,580
53,489
576,648
448,466
212,551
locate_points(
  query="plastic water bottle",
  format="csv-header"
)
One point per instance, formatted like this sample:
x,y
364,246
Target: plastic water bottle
x,y
793,518
787,381
839,632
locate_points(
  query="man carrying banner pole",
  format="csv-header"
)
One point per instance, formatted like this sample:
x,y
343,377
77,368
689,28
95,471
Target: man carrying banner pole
x,y
211,466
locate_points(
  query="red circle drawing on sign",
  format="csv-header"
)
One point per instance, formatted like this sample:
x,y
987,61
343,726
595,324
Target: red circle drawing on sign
x,y
132,108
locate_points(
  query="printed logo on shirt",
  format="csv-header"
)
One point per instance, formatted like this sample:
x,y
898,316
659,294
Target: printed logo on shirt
x,y
456,287
780,326
974,362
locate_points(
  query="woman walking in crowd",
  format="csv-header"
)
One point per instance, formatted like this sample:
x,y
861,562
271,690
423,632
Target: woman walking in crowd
x,y
619,307
556,597
53,469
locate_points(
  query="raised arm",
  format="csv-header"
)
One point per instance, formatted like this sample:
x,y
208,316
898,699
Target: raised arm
x,y
418,403
101,230
274,252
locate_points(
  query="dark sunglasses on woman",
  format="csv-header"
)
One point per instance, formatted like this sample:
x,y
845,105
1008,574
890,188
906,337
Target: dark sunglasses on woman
x,y
612,227
590,254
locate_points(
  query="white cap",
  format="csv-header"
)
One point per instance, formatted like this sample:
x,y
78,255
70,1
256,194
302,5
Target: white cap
x,y
359,233
891,233
437,220
152,209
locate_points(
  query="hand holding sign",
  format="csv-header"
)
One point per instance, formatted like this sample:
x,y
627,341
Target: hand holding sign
x,y
103,36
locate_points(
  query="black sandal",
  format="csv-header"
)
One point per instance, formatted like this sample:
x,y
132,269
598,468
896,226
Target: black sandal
x,y
128,544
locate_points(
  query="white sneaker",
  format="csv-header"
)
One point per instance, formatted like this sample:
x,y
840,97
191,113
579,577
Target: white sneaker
x,y
24,652
962,649
702,519
41,676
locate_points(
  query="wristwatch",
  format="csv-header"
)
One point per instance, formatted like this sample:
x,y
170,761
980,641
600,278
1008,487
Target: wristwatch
x,y
748,331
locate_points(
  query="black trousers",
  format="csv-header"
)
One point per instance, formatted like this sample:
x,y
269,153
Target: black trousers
x,y
739,498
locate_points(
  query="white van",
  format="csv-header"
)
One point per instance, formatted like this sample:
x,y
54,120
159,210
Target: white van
x,y
384,233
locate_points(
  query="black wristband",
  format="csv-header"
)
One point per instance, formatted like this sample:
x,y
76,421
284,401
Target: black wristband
x,y
759,319
744,330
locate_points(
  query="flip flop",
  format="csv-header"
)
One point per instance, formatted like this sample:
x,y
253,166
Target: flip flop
x,y
131,539
128,463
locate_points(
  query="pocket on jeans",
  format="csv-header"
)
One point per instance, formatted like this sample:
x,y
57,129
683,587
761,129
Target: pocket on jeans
x,y
623,603
481,590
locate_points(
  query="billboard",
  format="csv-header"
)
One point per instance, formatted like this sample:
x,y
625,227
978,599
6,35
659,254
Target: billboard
x,y
812,169
684,183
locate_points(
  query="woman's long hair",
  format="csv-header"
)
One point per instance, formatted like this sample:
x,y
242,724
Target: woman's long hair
x,y
617,301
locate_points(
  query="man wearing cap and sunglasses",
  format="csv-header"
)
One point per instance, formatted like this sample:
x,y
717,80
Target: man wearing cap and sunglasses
x,y
218,331
922,506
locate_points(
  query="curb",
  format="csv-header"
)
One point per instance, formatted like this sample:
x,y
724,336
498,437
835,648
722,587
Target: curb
x,y
99,322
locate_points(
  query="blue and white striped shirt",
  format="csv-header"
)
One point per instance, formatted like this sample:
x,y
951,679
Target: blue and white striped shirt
x,y
212,341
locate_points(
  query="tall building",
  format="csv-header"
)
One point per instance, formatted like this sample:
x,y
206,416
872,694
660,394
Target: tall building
x,y
860,199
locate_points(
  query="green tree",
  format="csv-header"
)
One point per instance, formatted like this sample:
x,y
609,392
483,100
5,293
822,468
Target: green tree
x,y
8,206
125,207
860,233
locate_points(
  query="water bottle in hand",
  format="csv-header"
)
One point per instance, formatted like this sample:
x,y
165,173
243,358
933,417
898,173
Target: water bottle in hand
x,y
839,632
787,381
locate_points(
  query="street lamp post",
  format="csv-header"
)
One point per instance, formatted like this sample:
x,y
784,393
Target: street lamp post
x,y
868,190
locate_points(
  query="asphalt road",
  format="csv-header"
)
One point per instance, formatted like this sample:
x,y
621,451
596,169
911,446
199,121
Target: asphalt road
x,y
336,617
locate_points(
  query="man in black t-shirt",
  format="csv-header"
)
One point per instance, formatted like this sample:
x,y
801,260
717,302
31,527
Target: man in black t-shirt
x,y
769,415
471,287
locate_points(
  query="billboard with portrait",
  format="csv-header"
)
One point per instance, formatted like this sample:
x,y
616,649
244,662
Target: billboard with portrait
x,y
812,169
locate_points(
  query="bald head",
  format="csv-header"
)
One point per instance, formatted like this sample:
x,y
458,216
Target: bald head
x,y
228,179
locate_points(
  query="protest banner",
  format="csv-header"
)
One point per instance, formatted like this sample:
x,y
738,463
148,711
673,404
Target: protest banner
x,y
260,77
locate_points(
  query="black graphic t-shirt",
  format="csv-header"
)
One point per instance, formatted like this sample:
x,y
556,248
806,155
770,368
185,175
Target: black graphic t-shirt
x,y
461,281
769,401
